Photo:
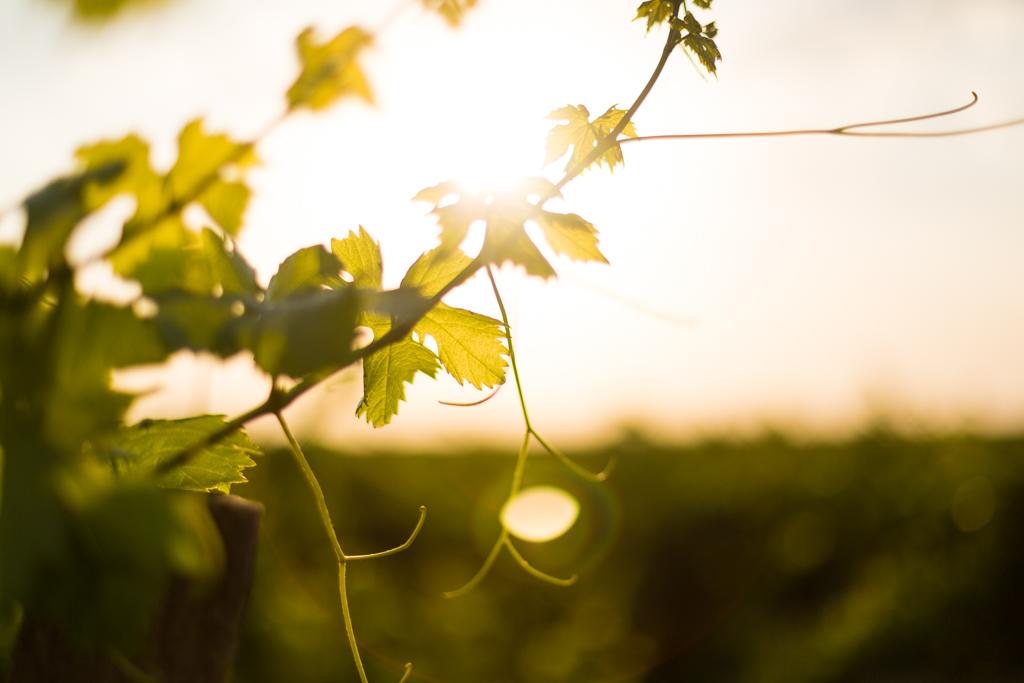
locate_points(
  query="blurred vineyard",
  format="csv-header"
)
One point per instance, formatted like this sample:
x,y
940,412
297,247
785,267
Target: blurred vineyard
x,y
878,559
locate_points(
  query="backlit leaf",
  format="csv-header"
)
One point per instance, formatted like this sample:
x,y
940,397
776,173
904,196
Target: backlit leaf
x,y
700,41
306,332
226,201
310,268
147,444
453,11
583,135
94,338
505,214
171,258
570,235
329,69
202,157
385,374
136,177
434,270
228,268
360,257
53,212
470,345
655,12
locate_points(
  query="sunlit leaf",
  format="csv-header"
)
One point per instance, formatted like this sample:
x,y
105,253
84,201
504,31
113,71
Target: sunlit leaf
x,y
171,258
507,242
360,257
655,12
434,270
93,339
453,11
583,135
700,41
469,345
100,10
202,157
198,323
329,69
571,236
136,176
385,374
309,331
310,268
540,513
228,268
505,215
53,212
226,201
146,445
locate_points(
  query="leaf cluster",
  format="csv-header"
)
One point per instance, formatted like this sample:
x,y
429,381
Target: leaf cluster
x,y
696,38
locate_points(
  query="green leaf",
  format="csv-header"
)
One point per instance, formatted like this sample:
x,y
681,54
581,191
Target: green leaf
x,y
228,268
137,176
92,339
453,11
385,374
471,346
509,243
199,323
700,41
99,10
330,70
583,135
146,445
202,157
570,235
163,259
655,12
307,332
226,202
53,212
505,215
9,280
308,269
360,257
434,270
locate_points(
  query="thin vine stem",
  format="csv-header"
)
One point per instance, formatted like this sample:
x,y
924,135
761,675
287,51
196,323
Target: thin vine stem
x,y
313,484
530,430
511,351
849,130
470,404
325,520
504,538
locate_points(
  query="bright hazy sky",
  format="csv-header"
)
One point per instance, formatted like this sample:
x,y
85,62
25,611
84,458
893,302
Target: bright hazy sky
x,y
812,281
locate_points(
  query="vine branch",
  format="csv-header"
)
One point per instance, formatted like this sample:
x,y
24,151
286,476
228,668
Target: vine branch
x,y
342,559
850,129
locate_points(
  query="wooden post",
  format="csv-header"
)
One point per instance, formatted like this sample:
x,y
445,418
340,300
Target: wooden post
x,y
194,637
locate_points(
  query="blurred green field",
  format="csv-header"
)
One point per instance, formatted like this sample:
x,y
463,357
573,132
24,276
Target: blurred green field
x,y
879,559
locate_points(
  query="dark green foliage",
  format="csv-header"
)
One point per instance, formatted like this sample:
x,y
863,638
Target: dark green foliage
x,y
761,560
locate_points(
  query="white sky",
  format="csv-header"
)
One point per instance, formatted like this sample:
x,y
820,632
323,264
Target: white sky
x,y
823,278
